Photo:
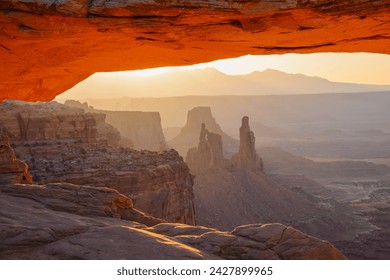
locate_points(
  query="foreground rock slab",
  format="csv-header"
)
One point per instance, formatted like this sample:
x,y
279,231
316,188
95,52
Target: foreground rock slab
x,y
63,221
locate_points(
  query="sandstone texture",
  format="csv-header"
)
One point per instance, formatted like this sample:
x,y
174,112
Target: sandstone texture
x,y
49,46
189,134
97,223
12,170
64,144
159,183
30,122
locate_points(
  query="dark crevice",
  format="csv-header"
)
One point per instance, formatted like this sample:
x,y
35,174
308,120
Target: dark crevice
x,y
26,28
236,23
293,47
141,38
302,28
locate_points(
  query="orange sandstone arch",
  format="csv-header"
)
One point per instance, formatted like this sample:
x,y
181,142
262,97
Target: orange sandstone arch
x,y
48,46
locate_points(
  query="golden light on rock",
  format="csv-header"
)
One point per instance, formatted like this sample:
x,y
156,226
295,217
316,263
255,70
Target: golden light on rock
x,y
44,52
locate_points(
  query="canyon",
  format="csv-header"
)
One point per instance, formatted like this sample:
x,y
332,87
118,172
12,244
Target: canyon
x,y
232,191
48,47
87,176
65,144
30,213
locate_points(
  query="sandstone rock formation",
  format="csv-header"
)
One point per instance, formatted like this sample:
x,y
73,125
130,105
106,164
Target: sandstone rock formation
x,y
12,170
49,46
142,129
82,200
160,184
231,192
31,122
189,134
247,156
208,154
98,223
254,241
63,150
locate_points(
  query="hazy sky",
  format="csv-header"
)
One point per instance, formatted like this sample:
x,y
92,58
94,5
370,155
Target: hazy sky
x,y
363,68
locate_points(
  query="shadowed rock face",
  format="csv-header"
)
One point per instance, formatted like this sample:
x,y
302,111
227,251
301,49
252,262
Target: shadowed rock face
x,y
49,46
100,223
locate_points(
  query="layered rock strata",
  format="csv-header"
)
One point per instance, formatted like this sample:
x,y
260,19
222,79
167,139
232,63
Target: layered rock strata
x,y
31,122
159,183
99,223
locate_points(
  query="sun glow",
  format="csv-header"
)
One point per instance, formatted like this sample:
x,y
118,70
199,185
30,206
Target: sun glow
x,y
357,68
363,68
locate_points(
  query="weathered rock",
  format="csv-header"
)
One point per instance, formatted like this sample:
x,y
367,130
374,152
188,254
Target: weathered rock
x,y
247,156
189,134
209,153
52,121
256,241
237,191
88,229
49,46
53,227
12,170
81,200
159,177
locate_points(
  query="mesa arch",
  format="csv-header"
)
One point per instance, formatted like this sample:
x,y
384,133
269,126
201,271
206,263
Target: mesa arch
x,y
48,46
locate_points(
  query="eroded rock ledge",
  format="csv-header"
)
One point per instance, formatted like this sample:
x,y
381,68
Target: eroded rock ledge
x,y
100,223
48,46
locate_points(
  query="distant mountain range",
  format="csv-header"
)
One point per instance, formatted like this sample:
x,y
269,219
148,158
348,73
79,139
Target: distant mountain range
x,y
210,81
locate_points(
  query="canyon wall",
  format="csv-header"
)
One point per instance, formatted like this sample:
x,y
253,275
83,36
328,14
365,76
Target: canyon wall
x,y
139,130
64,144
142,128
31,122
49,46
159,183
